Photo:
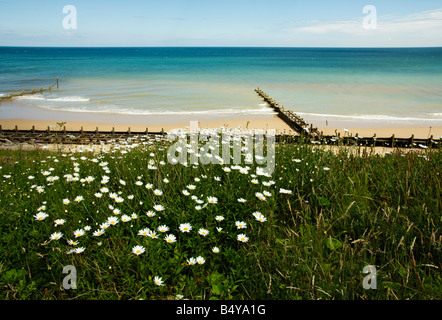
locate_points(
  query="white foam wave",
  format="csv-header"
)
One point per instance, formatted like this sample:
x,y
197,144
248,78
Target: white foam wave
x,y
70,99
126,111
61,99
371,117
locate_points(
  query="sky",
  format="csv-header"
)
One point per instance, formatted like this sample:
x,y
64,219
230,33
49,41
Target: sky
x,y
227,23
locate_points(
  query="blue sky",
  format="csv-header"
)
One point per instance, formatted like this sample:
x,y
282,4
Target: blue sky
x,y
284,23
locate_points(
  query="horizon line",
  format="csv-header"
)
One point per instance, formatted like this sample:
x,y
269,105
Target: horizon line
x,y
239,47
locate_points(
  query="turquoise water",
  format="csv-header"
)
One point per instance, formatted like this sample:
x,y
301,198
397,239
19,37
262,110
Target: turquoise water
x,y
388,85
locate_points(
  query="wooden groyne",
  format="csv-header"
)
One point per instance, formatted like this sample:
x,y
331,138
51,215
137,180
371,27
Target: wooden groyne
x,y
307,133
19,93
60,135
289,117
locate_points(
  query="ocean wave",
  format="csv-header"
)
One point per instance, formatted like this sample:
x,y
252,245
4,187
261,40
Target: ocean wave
x,y
371,117
128,111
61,99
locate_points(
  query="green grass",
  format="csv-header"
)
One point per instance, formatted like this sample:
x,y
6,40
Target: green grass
x,y
364,210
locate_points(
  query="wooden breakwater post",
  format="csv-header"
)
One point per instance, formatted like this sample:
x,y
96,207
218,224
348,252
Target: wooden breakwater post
x,y
289,117
26,92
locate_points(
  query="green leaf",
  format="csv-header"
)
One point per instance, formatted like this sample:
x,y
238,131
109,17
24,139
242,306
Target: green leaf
x,y
218,289
324,202
333,243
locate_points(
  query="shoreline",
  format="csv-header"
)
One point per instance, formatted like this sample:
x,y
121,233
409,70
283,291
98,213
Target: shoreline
x,y
264,123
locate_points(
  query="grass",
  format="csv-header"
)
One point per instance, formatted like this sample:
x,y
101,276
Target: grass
x,y
344,212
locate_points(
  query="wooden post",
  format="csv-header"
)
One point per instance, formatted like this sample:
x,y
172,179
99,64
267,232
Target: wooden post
x,y
57,82
412,140
392,141
81,131
33,129
430,141
16,128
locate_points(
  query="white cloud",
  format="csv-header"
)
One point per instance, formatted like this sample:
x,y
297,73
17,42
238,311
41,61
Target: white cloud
x,y
419,29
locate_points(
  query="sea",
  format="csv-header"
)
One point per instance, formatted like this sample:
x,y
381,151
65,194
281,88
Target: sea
x,y
367,86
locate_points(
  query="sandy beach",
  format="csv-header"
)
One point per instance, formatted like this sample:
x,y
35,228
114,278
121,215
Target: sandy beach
x,y
271,122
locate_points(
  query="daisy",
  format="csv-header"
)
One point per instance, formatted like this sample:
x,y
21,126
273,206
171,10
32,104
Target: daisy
x,y
134,216
203,232
219,229
119,199
158,281
158,207
72,243
259,216
116,211
185,227
149,185
191,261
139,183
98,233
212,200
242,237
104,190
98,195
78,233
267,194
200,260
112,220
226,169
163,228
191,187
79,250
125,218
219,218
215,250
244,170
241,224
285,191
158,192
144,232
255,181
59,222
260,196
242,200
186,193
79,199
170,238
104,225
66,201
56,235
152,234
138,250
150,214
41,216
